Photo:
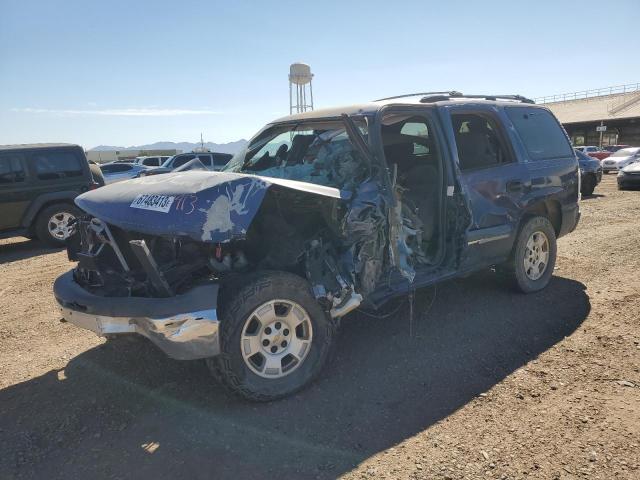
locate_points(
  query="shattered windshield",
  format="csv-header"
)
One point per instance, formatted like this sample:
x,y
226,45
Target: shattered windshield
x,y
318,152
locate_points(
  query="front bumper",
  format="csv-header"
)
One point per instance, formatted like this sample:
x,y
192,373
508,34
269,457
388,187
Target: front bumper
x,y
185,327
629,180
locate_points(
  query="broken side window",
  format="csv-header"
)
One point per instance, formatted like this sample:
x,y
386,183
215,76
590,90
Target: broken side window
x,y
314,152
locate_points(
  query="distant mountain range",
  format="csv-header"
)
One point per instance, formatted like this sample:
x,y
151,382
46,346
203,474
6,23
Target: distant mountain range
x,y
231,147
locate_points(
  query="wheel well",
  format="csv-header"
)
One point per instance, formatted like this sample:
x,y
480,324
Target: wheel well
x,y
549,209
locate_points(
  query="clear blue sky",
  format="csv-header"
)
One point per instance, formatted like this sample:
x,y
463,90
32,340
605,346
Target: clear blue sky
x,y
133,72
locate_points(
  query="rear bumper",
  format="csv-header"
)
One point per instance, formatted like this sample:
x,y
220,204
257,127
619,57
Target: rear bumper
x,y
185,327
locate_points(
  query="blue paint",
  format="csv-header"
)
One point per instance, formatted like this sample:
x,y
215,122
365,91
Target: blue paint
x,y
206,206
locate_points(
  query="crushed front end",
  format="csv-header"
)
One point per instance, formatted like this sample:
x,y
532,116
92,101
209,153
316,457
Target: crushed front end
x,y
154,253
161,288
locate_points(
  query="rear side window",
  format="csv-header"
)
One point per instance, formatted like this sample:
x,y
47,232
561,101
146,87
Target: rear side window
x,y
56,165
540,132
151,162
11,169
478,142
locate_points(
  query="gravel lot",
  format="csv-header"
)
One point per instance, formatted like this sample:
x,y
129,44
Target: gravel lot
x,y
492,384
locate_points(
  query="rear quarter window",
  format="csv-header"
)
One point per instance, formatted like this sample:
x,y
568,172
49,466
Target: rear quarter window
x,y
56,165
542,135
11,169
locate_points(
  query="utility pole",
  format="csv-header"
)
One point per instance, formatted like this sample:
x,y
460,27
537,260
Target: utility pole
x,y
601,132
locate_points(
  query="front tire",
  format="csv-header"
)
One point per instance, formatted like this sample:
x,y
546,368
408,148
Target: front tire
x,y
52,224
534,256
588,185
274,338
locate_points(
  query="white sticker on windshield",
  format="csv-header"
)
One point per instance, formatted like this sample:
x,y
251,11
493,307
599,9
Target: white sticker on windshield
x,y
157,203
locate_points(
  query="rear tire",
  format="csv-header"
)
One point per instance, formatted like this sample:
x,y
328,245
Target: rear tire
x,y
274,337
534,256
51,225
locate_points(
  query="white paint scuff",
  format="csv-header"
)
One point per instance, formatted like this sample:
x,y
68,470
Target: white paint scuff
x,y
219,213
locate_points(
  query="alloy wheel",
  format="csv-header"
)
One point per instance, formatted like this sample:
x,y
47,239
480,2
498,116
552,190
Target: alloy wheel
x,y
58,225
276,338
536,255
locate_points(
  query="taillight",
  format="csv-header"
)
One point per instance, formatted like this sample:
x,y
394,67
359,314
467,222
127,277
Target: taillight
x,y
93,185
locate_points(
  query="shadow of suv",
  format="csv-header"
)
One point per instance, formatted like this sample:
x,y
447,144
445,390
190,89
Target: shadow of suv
x,y
38,184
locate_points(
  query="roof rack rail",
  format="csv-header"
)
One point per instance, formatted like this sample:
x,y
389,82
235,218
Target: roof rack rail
x,y
449,93
441,97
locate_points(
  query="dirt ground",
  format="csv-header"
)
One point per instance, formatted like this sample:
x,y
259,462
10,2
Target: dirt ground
x,y
491,384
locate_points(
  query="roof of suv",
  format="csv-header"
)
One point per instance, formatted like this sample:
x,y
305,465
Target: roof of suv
x,y
417,99
32,146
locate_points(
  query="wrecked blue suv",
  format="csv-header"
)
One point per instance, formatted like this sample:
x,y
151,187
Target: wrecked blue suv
x,y
322,213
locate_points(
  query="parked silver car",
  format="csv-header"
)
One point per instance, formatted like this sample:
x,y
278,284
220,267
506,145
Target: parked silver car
x,y
117,171
153,161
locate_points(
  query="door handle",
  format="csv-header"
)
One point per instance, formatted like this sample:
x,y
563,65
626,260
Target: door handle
x,y
515,186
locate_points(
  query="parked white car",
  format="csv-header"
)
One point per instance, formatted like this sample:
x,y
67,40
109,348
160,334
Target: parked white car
x,y
118,171
621,159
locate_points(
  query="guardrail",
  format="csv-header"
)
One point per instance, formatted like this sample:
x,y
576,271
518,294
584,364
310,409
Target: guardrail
x,y
598,92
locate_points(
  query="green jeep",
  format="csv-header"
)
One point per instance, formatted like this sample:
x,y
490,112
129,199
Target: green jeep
x,y
38,183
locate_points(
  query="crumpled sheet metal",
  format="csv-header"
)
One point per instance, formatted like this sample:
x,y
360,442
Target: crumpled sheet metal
x,y
399,249
206,206
364,227
219,207
186,336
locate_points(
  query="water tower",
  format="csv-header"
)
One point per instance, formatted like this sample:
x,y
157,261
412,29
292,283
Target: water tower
x,y
300,78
